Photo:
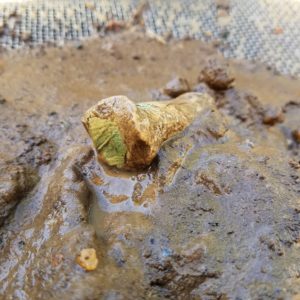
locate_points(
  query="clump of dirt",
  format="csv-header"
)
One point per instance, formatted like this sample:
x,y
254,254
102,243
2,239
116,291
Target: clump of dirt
x,y
215,216
216,76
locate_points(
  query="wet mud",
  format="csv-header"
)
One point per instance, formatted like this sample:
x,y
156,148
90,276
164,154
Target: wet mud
x,y
215,216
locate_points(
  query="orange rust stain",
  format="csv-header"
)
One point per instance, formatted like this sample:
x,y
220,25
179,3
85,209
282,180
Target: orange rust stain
x,y
97,180
115,198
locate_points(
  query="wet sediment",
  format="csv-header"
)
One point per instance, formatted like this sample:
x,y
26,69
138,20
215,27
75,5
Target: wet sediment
x,y
215,216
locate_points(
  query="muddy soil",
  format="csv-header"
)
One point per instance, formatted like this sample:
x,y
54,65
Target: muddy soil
x,y
217,214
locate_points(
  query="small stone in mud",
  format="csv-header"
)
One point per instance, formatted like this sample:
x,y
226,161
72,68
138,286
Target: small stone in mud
x,y
176,87
136,57
273,115
2,100
216,76
52,113
296,135
87,259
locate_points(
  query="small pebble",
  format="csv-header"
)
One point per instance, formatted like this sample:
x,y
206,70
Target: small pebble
x,y
2,100
87,259
216,76
176,87
136,57
52,113
273,115
296,135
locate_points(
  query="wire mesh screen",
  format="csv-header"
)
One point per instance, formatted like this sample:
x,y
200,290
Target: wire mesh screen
x,y
263,30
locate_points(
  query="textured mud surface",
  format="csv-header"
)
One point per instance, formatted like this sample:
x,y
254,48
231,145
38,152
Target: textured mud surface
x,y
216,216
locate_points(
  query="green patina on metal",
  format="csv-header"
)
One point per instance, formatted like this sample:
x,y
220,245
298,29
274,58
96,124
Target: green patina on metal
x,y
144,105
148,106
108,141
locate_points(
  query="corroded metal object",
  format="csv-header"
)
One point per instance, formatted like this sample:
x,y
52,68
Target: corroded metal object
x,y
128,135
